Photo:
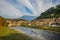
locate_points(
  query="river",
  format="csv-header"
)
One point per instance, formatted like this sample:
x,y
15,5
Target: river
x,y
38,34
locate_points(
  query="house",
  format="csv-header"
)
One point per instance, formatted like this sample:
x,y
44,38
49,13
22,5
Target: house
x,y
43,22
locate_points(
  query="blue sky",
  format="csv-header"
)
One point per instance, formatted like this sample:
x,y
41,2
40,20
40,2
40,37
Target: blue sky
x,y
18,8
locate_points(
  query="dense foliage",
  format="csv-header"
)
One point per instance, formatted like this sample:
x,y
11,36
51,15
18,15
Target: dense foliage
x,y
52,12
4,23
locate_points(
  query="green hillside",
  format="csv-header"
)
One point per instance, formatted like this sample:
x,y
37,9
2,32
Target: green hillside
x,y
52,12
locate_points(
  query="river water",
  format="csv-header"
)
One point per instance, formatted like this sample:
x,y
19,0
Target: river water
x,y
38,34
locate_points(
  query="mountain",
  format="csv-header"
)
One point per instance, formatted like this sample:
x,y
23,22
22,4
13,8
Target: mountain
x,y
27,17
53,12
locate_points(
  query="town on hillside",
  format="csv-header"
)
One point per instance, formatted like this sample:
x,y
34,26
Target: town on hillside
x,y
50,17
40,22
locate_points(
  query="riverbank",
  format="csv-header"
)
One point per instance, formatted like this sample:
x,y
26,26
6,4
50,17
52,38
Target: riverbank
x,y
11,34
51,29
48,28
38,34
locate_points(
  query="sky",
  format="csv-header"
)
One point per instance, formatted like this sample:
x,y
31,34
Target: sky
x,y
18,8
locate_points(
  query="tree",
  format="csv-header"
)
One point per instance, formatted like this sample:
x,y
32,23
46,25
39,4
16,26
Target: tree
x,y
0,22
48,13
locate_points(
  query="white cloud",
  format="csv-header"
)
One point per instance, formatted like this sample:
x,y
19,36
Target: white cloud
x,y
43,5
9,9
30,6
15,11
38,6
21,7
26,3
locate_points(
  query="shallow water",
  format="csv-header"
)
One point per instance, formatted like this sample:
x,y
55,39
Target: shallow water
x,y
39,34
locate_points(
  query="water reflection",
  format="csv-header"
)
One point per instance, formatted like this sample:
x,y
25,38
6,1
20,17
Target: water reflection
x,y
39,34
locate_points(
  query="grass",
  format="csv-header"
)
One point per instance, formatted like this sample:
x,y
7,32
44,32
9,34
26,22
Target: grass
x,y
53,29
6,31
50,28
10,34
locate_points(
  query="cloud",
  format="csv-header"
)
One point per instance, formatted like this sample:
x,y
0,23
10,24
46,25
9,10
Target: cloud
x,y
42,5
8,9
18,8
21,7
29,5
26,3
39,6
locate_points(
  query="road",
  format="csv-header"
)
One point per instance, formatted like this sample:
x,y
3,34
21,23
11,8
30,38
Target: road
x,y
38,34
